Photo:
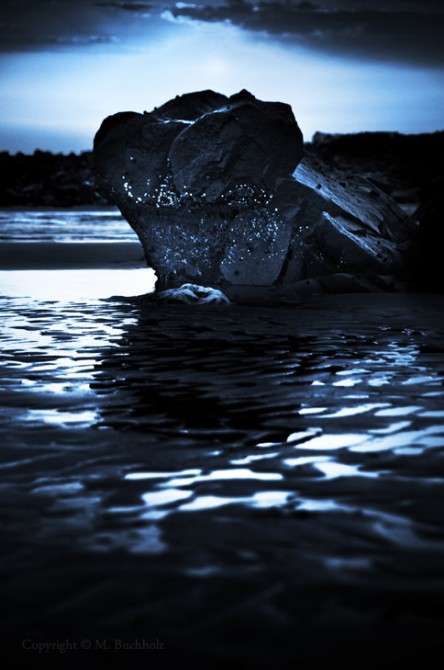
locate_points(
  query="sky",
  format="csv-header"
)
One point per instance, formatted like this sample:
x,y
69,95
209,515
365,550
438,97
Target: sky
x,y
343,65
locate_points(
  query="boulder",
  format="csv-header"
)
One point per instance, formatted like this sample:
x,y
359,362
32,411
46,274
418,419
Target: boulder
x,y
220,195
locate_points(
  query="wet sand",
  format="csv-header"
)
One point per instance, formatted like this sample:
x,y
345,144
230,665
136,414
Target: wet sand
x,y
65,255
246,486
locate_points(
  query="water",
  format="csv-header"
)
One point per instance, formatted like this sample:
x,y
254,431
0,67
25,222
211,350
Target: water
x,y
228,479
105,225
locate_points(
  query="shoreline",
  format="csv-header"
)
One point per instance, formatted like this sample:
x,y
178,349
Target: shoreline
x,y
70,255
91,207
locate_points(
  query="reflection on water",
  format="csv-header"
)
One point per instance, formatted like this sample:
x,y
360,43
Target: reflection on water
x,y
105,225
267,396
73,285
245,398
230,441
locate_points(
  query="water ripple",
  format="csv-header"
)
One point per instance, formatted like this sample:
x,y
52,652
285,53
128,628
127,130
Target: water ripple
x,y
227,439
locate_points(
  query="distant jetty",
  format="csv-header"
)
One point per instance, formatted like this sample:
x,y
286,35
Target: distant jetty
x,y
45,179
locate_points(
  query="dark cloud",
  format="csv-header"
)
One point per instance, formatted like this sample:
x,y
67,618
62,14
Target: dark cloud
x,y
33,24
386,5
126,6
408,30
385,31
28,23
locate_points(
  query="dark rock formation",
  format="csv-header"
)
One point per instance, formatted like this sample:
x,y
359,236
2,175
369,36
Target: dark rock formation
x,y
346,224
402,165
199,193
218,194
426,250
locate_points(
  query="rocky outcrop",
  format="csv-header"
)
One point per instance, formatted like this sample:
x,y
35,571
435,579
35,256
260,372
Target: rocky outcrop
x,y
344,224
195,180
220,195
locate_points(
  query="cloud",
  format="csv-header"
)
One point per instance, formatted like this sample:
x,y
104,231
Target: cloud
x,y
83,40
400,30
405,33
27,25
126,6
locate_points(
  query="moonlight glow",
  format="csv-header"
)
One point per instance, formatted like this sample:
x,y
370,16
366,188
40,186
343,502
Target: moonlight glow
x,y
56,94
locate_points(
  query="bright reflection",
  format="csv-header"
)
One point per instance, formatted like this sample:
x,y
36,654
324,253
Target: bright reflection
x,y
358,409
263,499
138,476
76,284
398,411
433,414
300,436
209,502
391,428
190,477
252,458
269,498
58,417
321,506
220,475
241,473
332,441
304,460
331,470
420,379
159,498
348,382
403,439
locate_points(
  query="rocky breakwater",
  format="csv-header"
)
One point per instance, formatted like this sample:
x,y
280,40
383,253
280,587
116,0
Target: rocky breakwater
x,y
220,194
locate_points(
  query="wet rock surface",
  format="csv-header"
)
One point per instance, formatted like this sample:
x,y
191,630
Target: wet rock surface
x,y
408,168
199,193
220,194
346,224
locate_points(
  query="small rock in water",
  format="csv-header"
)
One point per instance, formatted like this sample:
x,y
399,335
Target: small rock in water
x,y
192,294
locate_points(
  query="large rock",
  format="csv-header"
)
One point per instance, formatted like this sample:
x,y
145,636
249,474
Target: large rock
x,y
195,180
218,194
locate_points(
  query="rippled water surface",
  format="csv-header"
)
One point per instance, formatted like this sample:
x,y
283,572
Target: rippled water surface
x,y
218,476
106,225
